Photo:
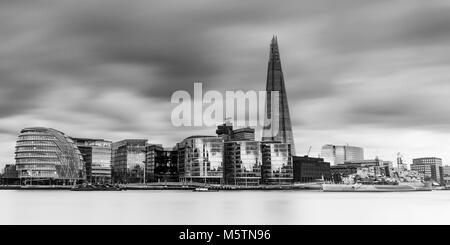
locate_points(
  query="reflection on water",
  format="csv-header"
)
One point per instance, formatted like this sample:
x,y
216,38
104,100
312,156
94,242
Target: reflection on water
x,y
246,207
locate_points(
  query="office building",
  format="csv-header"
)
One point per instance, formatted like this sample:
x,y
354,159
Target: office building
x,y
445,175
310,169
226,132
128,158
339,154
242,163
277,122
429,167
161,164
276,163
45,155
200,159
97,159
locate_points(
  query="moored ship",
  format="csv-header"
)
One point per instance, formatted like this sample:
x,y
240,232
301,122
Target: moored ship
x,y
401,187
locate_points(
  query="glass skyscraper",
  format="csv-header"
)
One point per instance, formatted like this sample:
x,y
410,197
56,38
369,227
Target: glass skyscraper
x,y
278,122
45,155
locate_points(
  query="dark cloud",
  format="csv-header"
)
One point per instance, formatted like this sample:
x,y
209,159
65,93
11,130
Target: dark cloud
x,y
108,68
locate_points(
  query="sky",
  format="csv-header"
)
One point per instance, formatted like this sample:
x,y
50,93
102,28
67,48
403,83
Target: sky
x,y
374,74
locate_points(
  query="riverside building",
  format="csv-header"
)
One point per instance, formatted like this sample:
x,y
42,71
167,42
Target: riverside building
x,y
97,159
47,156
128,158
161,164
200,159
276,163
242,163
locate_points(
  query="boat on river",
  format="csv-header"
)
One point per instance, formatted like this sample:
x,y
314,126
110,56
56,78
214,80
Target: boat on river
x,y
401,187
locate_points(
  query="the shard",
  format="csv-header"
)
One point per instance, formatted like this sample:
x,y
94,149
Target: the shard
x,y
278,125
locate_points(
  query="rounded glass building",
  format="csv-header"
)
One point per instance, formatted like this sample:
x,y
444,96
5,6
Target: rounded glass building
x,y
44,154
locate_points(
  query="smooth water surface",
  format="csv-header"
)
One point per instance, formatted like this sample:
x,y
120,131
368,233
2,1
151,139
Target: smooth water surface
x,y
225,207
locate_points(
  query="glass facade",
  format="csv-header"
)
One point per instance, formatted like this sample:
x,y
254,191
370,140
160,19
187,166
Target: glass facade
x,y
276,163
128,158
278,123
242,163
200,159
97,158
44,153
161,164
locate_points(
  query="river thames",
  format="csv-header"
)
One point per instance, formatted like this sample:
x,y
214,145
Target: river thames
x,y
224,207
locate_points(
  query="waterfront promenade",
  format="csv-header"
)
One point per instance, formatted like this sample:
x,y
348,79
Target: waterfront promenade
x,y
173,186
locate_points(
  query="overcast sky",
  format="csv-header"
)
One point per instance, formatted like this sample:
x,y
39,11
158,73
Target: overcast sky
x,y
374,74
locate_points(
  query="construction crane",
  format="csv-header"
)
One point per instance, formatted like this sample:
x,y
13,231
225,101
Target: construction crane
x,y
309,150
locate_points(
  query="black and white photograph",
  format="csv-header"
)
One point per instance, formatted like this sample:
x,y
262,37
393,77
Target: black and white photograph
x,y
224,113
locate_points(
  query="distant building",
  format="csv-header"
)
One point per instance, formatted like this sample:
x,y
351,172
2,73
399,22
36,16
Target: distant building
x,y
244,134
226,132
161,164
97,158
371,162
128,158
310,169
429,167
276,163
45,155
242,163
376,166
445,175
336,154
9,175
200,159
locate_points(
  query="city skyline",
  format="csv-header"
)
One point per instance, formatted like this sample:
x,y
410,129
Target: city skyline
x,y
98,73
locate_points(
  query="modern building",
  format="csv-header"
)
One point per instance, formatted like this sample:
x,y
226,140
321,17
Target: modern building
x,y
226,132
310,169
244,134
429,167
242,163
339,154
161,164
200,159
97,158
45,155
128,158
276,163
278,125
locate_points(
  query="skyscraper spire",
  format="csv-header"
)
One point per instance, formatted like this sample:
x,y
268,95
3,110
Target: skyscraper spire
x,y
278,124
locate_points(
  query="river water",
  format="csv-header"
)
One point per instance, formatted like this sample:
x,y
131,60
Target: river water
x,y
225,207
